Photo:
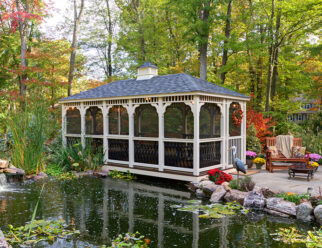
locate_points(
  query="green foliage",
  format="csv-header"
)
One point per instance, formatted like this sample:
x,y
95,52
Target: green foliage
x,y
252,142
54,170
39,230
293,236
75,157
296,198
121,175
133,240
29,130
245,184
213,210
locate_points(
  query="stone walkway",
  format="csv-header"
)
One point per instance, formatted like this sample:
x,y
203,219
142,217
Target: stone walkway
x,y
279,181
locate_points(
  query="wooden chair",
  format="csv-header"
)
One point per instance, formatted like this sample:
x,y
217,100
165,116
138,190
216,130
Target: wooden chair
x,y
281,162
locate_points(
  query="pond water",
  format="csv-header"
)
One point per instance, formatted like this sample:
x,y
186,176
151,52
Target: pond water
x,y
104,208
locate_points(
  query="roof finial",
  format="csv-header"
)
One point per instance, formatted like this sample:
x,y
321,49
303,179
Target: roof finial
x,y
147,71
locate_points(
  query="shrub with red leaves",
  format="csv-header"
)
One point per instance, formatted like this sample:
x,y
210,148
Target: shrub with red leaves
x,y
218,176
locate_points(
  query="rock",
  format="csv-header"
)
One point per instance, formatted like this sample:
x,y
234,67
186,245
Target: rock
x,y
280,205
254,200
276,213
209,189
235,195
3,242
4,164
39,176
84,173
193,186
199,193
318,214
204,183
304,211
101,173
267,192
14,170
105,168
218,194
226,185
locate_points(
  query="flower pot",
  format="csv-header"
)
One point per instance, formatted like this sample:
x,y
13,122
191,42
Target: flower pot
x,y
259,166
249,163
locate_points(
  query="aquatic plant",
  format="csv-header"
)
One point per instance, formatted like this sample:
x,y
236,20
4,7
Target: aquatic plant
x,y
218,176
293,236
292,197
39,230
53,170
121,175
28,128
132,240
212,210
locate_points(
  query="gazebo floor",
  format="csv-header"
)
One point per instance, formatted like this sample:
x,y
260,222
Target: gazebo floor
x,y
154,172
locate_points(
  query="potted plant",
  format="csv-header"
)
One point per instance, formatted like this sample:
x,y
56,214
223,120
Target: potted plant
x,y
250,155
315,160
315,165
259,162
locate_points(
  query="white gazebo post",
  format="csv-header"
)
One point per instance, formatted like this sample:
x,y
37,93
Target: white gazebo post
x,y
227,121
243,133
223,160
105,132
83,128
196,145
130,111
64,124
161,109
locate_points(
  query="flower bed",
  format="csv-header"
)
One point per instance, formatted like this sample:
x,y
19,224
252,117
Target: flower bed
x,y
218,176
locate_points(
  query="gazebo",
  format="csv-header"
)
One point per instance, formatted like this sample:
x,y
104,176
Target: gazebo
x,y
172,126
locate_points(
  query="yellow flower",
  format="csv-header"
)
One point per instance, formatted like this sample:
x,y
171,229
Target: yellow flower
x,y
259,161
313,164
290,193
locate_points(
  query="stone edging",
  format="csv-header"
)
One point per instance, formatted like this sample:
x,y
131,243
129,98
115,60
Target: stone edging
x,y
259,199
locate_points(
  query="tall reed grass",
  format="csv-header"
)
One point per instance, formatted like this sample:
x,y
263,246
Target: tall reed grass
x,y
28,130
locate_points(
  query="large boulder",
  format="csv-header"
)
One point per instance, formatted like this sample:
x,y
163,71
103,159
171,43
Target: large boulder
x,y
193,186
105,168
199,193
218,194
3,242
226,185
209,189
318,214
4,164
205,183
254,200
267,192
235,195
14,170
280,205
100,173
304,211
275,213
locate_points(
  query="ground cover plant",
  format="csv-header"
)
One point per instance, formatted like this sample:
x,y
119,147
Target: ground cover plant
x,y
292,197
122,175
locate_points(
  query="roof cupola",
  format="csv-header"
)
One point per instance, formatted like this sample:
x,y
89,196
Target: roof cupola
x,y
147,71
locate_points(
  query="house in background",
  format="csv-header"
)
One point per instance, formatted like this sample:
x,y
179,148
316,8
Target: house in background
x,y
172,126
309,107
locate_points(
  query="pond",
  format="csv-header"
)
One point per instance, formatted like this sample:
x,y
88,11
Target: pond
x,y
103,208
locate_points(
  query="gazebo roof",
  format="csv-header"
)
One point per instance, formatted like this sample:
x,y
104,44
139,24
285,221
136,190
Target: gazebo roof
x,y
166,84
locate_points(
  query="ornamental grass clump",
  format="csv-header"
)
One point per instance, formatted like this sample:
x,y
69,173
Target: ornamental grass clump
x,y
218,176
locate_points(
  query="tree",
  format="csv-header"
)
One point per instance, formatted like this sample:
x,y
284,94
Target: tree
x,y
77,19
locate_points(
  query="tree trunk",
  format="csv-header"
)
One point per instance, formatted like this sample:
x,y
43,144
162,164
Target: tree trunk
x,y
135,4
110,36
77,18
259,74
203,44
270,61
225,49
23,48
275,53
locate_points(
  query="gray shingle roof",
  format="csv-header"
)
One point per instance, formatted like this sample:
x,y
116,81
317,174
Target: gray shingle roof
x,y
173,83
148,64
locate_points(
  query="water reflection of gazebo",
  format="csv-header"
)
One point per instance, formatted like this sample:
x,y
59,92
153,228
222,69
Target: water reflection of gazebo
x,y
173,126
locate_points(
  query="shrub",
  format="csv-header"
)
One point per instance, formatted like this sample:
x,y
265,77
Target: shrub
x,y
218,176
245,184
75,157
252,142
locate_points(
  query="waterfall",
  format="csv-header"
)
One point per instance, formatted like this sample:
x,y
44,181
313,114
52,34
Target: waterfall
x,y
3,180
